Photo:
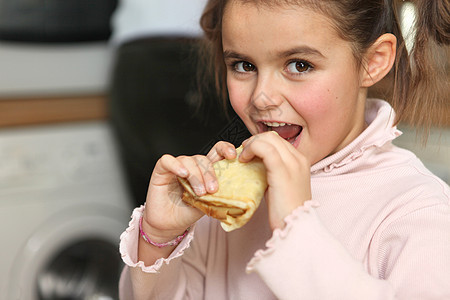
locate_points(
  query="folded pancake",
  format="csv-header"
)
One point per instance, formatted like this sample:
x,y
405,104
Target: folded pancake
x,y
241,188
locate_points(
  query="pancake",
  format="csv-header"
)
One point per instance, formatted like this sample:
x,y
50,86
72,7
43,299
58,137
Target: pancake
x,y
241,189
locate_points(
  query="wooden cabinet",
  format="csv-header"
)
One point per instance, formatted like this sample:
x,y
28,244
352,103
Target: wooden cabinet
x,y
33,111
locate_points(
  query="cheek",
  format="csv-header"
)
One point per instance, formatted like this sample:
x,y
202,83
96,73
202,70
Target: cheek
x,y
317,102
328,98
238,98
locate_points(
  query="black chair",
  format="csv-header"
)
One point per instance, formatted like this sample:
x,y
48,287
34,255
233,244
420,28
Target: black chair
x,y
154,107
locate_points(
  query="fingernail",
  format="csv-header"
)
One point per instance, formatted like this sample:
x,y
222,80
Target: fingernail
x,y
212,186
183,172
200,190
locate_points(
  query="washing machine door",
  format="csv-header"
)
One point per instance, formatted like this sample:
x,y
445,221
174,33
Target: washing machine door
x,y
71,258
85,269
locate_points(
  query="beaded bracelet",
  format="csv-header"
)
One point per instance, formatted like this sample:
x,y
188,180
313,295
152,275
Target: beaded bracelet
x,y
173,242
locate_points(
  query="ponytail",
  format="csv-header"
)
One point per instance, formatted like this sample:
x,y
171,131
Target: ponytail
x,y
434,18
421,80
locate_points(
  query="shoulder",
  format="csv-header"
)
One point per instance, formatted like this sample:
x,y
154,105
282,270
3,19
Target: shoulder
x,y
388,184
409,173
414,196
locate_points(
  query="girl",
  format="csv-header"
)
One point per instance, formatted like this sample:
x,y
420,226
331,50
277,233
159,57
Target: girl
x,y
347,215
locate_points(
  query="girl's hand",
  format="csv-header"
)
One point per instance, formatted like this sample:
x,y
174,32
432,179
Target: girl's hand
x,y
166,215
288,174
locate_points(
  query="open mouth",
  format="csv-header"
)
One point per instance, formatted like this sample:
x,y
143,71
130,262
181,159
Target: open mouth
x,y
289,132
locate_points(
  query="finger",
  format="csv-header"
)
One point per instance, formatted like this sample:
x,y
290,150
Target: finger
x,y
222,150
169,164
272,137
267,133
195,178
281,159
263,140
266,150
209,175
278,155
288,149
201,174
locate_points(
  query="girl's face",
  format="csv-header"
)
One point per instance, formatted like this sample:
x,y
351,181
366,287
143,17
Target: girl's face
x,y
289,71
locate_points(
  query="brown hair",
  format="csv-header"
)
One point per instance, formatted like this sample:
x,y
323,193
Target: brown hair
x,y
420,86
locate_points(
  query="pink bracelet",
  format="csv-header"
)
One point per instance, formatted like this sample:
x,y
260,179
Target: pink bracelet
x,y
173,242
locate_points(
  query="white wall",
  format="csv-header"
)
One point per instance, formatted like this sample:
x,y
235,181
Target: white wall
x,y
28,69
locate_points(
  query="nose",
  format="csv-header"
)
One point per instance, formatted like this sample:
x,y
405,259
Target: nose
x,y
266,95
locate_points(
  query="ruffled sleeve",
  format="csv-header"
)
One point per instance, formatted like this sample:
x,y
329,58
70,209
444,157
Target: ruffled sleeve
x,y
280,234
129,245
319,267
168,278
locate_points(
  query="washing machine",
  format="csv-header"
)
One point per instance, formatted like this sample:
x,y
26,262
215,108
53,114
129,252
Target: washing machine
x,y
63,206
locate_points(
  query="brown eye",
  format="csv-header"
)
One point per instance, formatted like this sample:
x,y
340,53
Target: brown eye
x,y
299,66
244,66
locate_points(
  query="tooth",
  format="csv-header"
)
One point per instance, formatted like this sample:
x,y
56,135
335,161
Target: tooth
x,y
275,124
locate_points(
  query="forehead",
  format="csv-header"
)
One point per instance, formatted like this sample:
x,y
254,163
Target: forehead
x,y
275,26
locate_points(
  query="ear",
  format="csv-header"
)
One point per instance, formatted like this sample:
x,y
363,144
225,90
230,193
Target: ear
x,y
379,59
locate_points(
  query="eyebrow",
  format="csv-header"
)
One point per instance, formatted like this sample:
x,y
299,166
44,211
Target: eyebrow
x,y
303,50
228,54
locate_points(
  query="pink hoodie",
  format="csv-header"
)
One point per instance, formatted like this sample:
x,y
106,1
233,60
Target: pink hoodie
x,y
378,227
